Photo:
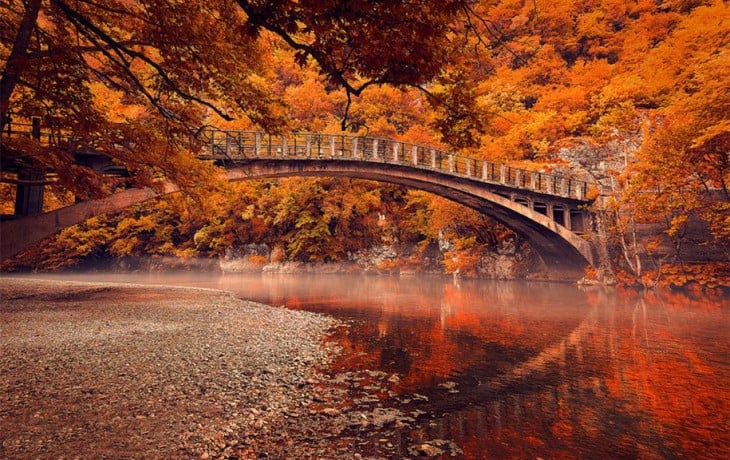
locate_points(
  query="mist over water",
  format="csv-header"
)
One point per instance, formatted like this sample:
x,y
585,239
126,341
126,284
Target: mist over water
x,y
519,369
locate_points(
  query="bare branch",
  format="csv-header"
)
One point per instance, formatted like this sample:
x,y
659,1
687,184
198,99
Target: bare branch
x,y
497,35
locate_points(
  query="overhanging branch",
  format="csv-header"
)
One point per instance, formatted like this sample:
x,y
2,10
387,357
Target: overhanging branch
x,y
98,37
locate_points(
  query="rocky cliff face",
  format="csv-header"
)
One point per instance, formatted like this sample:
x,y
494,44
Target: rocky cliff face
x,y
601,162
654,246
507,262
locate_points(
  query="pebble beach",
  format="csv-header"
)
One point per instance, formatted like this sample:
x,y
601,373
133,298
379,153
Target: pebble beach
x,y
129,371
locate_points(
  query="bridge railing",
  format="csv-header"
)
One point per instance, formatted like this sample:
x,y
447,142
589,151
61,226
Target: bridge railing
x,y
236,145
30,131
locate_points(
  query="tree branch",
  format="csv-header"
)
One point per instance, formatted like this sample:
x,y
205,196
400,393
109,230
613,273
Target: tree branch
x,y
90,31
449,107
496,34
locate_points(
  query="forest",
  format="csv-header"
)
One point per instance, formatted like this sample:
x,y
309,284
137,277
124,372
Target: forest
x,y
633,95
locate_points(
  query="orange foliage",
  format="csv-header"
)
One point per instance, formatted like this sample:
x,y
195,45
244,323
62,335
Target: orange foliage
x,y
511,81
257,260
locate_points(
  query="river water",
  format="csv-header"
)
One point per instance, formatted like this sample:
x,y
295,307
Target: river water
x,y
525,370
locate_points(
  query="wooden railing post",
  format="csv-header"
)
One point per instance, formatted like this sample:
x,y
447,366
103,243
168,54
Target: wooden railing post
x,y
284,146
36,128
375,149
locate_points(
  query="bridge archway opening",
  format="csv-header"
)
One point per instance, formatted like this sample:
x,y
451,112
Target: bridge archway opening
x,y
564,254
540,207
578,221
523,201
559,216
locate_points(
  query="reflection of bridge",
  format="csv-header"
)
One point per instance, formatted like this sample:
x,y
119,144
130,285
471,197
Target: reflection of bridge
x,y
546,209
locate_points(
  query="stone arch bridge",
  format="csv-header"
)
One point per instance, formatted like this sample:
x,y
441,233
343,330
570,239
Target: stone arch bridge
x,y
549,211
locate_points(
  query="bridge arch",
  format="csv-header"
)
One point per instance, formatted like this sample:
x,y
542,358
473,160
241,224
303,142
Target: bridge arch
x,y
565,253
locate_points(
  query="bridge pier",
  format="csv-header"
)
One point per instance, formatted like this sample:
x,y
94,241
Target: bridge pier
x,y
29,190
29,193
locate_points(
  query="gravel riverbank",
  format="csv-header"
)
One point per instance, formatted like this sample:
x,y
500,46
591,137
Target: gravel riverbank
x,y
130,371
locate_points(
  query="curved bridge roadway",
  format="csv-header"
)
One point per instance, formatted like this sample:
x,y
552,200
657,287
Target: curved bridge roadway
x,y
548,210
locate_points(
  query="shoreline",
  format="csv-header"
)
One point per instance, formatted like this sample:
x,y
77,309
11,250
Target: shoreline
x,y
129,370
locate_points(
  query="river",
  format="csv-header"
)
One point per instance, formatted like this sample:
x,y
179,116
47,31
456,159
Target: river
x,y
523,370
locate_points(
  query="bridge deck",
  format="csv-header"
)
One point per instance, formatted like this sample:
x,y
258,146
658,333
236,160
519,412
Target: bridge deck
x,y
232,146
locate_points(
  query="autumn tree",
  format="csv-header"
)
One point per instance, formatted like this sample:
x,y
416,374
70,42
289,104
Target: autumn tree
x,y
682,173
173,67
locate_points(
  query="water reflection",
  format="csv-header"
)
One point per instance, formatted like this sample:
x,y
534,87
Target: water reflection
x,y
537,370
528,370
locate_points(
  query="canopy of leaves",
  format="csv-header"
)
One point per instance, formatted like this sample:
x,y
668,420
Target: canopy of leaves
x,y
136,80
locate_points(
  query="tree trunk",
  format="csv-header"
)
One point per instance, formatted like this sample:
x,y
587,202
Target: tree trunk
x,y
16,60
601,242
